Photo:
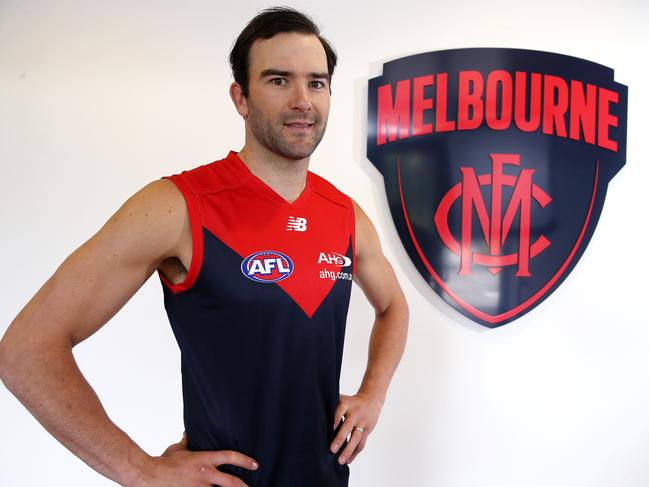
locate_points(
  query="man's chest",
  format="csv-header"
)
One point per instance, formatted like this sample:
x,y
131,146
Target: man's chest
x,y
255,244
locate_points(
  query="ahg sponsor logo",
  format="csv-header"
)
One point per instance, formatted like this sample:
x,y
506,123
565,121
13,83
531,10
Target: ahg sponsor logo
x,y
334,258
333,275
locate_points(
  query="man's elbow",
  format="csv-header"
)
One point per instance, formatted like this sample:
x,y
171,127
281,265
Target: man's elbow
x,y
400,303
396,311
404,311
14,355
8,361
19,355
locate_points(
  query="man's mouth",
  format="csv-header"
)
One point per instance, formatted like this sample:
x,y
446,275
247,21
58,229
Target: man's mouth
x,y
299,124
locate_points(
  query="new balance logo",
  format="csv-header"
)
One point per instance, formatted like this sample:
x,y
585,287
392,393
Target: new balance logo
x,y
296,224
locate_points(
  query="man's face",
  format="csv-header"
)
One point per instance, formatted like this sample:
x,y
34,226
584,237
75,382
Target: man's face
x,y
288,94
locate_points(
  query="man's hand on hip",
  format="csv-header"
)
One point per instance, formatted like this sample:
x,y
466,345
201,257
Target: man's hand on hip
x,y
360,414
180,467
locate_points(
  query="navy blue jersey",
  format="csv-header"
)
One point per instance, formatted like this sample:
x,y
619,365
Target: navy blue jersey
x,y
260,322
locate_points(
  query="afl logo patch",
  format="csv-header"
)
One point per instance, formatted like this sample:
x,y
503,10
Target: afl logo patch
x,y
267,266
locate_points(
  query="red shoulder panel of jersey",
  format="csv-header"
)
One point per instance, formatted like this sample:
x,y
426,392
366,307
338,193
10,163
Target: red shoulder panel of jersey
x,y
193,183
215,176
328,190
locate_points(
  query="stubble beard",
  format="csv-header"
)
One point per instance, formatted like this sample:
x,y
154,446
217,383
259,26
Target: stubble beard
x,y
271,133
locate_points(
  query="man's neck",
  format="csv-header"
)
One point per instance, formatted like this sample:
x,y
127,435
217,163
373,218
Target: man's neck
x,y
287,177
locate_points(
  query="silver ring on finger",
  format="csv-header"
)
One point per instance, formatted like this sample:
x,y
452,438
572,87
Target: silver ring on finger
x,y
358,428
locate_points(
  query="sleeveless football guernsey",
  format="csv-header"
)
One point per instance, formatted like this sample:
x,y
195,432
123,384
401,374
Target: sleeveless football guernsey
x,y
260,322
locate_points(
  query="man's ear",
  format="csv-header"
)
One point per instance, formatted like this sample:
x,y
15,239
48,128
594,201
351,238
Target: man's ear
x,y
239,100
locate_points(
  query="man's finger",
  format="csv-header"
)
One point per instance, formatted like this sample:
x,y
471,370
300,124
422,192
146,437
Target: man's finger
x,y
215,477
343,433
341,410
359,448
351,446
230,457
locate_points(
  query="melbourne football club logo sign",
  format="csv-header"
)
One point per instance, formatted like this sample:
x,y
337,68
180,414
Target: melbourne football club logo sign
x,y
496,164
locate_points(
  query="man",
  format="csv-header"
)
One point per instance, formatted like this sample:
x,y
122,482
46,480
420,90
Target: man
x,y
255,255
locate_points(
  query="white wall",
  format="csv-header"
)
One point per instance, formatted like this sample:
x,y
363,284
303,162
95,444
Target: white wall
x,y
99,98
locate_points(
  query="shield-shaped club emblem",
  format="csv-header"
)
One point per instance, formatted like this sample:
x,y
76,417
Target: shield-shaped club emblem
x,y
496,164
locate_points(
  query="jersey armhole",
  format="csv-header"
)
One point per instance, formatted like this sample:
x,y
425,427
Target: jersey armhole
x,y
196,224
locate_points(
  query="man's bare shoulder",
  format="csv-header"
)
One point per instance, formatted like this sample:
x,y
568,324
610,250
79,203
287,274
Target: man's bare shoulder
x,y
367,240
104,272
154,220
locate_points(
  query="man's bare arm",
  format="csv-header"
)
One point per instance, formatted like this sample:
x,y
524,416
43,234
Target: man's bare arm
x,y
375,276
90,287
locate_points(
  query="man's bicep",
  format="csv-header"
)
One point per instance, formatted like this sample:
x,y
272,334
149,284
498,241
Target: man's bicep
x,y
98,278
374,274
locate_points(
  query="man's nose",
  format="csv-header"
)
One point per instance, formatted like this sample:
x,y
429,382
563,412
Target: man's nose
x,y
301,100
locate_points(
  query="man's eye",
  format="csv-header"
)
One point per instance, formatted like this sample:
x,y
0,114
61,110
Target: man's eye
x,y
278,81
317,84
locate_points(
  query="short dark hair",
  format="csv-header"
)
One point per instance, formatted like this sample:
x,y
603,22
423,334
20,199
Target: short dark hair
x,y
266,24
